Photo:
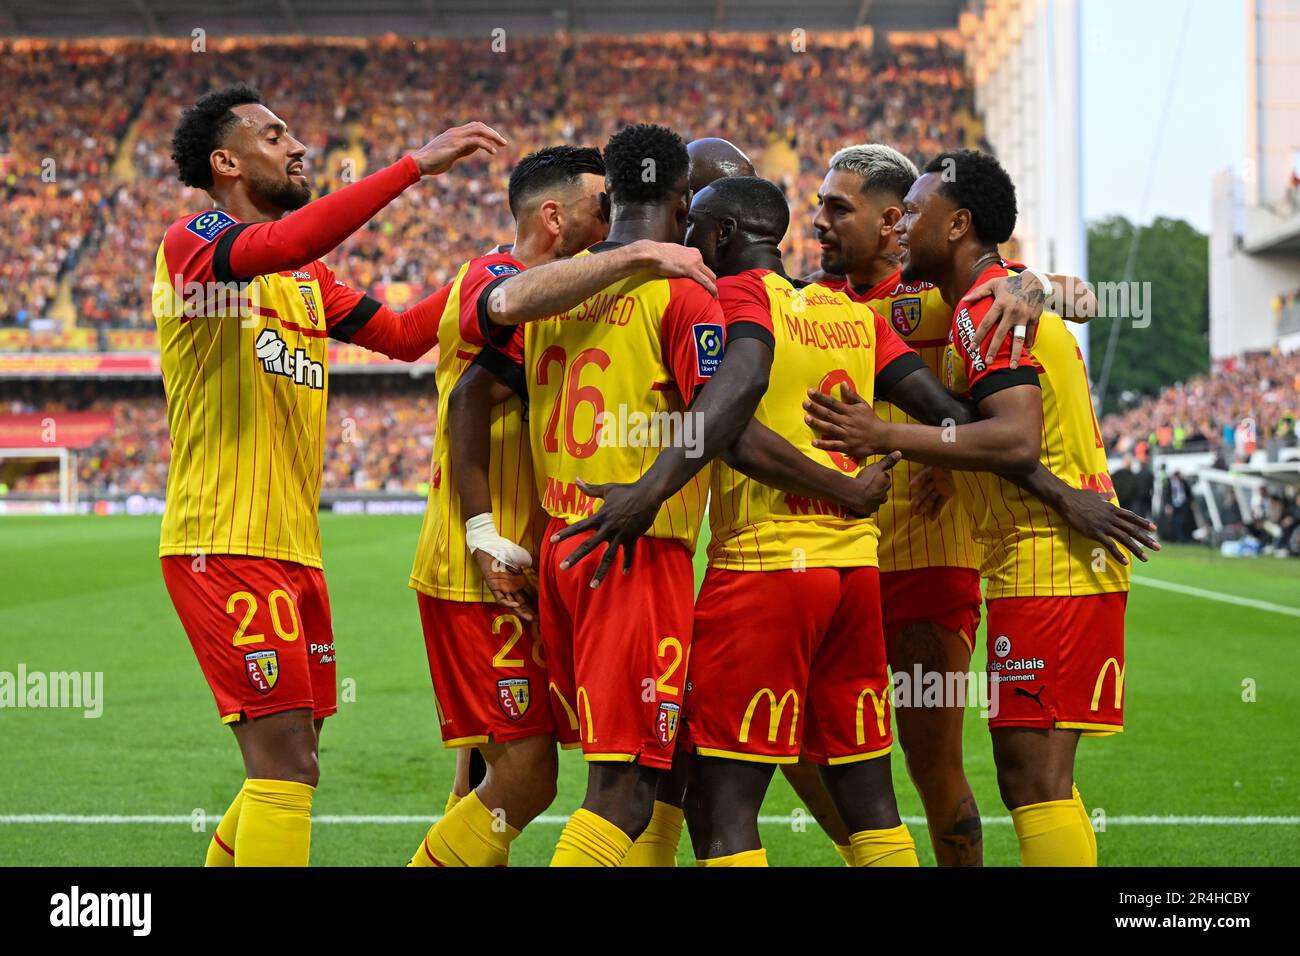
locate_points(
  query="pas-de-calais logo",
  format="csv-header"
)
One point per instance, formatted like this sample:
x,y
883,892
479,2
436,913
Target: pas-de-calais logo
x,y
309,302
262,668
1002,646
906,315
666,722
513,694
708,347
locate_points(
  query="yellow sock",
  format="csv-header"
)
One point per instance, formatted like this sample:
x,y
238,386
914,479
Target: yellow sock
x,y
453,798
1087,822
590,840
892,847
744,858
845,852
1052,834
221,848
657,846
469,835
274,824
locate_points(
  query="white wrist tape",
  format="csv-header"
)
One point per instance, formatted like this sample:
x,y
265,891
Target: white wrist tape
x,y
1049,290
481,535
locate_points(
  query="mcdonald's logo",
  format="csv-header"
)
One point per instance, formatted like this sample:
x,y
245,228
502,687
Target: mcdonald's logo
x,y
583,698
1101,679
775,712
880,704
573,718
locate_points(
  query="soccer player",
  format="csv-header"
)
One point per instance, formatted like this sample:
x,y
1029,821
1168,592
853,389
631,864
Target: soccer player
x,y
485,656
713,158
244,308
929,562
788,624
637,352
1055,602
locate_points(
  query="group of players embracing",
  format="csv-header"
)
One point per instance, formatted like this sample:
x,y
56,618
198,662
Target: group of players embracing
x,y
868,443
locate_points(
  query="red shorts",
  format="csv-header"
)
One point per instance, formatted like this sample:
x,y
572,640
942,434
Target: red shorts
x,y
1057,662
487,669
787,662
261,630
616,655
949,597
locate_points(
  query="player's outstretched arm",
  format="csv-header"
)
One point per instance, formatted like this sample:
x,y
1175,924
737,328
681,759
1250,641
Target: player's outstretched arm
x,y
1091,514
1006,439
291,242
469,422
559,286
720,411
767,457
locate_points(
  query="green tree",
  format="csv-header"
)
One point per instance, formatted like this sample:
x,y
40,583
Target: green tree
x,y
1171,269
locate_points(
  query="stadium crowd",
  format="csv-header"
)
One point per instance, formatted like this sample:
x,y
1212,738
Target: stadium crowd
x,y
359,105
1248,403
379,436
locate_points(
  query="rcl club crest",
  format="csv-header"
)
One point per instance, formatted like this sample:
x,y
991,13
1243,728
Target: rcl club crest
x,y
513,696
309,303
666,722
906,315
262,668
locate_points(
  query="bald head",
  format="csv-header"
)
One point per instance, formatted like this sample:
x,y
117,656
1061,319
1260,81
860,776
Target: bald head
x,y
737,223
713,158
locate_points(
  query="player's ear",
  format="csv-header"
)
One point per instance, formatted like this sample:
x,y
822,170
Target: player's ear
x,y
727,229
552,217
889,219
959,225
224,163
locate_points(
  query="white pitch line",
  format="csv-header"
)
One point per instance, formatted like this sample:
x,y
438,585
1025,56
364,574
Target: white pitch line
x,y
33,819
1219,596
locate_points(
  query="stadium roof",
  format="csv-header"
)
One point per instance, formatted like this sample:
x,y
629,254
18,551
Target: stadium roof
x,y
177,18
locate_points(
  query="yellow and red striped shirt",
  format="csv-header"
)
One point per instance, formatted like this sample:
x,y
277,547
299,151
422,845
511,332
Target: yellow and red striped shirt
x,y
917,312
823,339
443,565
608,385
245,368
1031,551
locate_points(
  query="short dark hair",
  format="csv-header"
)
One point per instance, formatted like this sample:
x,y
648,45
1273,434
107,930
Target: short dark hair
x,y
641,149
977,182
203,128
551,167
758,206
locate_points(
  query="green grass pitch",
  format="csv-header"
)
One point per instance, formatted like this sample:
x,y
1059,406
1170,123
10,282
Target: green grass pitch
x,y
86,594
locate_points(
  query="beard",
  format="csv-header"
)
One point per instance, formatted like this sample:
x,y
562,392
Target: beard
x,y
283,194
832,261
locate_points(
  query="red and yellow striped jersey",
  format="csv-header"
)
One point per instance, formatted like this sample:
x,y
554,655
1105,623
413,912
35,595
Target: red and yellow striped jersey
x,y
245,370
443,565
823,339
917,312
1030,550
608,386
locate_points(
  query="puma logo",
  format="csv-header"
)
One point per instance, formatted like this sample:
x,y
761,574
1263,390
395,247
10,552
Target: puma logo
x,y
1036,698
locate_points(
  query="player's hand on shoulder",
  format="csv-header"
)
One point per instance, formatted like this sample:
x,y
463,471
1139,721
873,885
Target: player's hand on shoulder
x,y
509,585
847,425
1092,514
444,150
1017,306
873,484
674,261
